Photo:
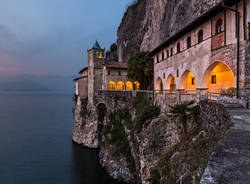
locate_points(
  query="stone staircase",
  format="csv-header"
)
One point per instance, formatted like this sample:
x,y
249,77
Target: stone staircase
x,y
230,163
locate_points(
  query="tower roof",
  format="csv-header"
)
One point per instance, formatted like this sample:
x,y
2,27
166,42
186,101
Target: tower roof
x,y
96,45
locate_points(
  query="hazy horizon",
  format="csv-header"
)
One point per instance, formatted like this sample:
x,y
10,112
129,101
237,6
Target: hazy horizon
x,y
49,39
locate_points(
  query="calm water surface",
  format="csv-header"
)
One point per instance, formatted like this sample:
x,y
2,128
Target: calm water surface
x,y
36,146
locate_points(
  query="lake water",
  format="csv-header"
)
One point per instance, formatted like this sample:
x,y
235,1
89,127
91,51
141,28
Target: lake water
x,y
36,146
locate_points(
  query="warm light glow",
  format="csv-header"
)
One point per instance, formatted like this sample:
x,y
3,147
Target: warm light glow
x,y
120,85
159,85
129,85
111,85
171,83
99,55
137,85
190,83
223,78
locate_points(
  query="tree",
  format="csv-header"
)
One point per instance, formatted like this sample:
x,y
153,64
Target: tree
x,y
185,111
141,68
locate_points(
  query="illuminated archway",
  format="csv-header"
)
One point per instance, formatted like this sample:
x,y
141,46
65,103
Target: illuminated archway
x,y
188,82
171,83
111,85
120,85
137,85
159,84
218,76
129,85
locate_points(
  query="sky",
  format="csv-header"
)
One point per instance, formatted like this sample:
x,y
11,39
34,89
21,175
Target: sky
x,y
51,37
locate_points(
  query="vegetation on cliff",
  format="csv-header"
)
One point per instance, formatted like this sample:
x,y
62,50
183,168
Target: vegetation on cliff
x,y
149,145
120,127
141,68
187,160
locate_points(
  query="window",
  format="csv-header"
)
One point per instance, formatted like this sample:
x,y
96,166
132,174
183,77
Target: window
x,y
188,42
218,26
193,81
171,52
178,48
163,75
108,72
200,36
163,55
177,73
119,72
168,52
213,79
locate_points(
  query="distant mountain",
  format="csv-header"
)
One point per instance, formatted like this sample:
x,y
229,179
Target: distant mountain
x,y
23,86
52,83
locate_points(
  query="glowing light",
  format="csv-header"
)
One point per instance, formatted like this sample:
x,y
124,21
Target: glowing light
x,y
111,85
129,85
171,83
221,77
120,85
159,85
137,85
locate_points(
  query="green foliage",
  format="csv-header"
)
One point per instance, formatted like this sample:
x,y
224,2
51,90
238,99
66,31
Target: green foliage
x,y
230,92
116,136
113,47
140,68
184,111
148,113
154,176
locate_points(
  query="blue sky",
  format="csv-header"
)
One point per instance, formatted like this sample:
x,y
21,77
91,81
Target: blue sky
x,y
50,37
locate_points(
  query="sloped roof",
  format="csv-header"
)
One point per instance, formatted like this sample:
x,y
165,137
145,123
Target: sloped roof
x,y
85,68
115,64
96,45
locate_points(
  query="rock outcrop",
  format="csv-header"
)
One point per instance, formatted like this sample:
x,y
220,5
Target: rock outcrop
x,y
147,23
230,162
140,144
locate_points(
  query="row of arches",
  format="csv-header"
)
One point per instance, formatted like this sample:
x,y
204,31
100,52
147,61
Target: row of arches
x,y
123,86
218,76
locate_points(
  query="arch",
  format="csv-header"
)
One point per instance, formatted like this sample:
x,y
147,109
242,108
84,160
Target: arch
x,y
111,85
218,26
129,85
171,83
218,76
136,85
120,85
159,84
188,81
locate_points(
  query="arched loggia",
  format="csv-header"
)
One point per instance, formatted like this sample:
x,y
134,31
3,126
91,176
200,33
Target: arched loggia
x,y
188,81
218,76
171,84
159,84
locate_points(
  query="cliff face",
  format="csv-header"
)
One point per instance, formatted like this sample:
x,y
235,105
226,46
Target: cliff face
x,y
140,143
148,23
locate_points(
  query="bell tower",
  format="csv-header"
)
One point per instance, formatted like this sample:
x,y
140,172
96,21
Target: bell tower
x,y
95,67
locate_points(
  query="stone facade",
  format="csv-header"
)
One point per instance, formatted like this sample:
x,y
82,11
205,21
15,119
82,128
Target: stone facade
x,y
102,74
197,60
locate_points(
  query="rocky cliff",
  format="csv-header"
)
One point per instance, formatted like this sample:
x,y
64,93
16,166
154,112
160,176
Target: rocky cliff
x,y
139,143
147,23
